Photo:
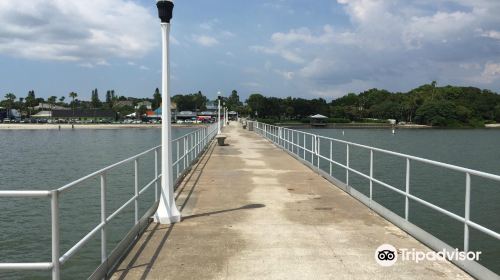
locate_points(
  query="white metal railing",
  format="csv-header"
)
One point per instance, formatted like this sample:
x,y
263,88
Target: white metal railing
x,y
295,142
189,148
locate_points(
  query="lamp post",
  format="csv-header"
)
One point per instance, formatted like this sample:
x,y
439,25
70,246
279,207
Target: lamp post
x,y
167,212
218,113
224,114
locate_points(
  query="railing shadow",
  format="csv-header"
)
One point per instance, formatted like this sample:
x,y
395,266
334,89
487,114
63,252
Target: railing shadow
x,y
198,168
249,206
156,230
203,160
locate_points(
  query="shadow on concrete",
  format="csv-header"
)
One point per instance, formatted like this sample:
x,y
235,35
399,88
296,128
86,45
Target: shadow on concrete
x,y
130,266
149,265
203,160
249,206
157,227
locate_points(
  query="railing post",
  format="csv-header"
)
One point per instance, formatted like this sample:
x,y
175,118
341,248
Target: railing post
x,y
195,144
467,212
136,190
318,147
104,255
280,132
304,146
184,155
293,143
313,148
56,265
347,165
177,159
407,199
371,175
331,156
156,175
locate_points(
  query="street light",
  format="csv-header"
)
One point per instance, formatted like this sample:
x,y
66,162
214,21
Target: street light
x,y
225,110
167,212
218,114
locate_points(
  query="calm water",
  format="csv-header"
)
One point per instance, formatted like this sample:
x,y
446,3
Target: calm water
x,y
476,149
49,159
45,160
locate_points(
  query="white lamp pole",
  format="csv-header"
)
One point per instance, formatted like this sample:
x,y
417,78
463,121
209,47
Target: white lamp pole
x,y
218,113
224,114
167,212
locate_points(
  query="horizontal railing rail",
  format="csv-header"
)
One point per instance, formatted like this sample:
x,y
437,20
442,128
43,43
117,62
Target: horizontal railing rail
x,y
296,143
193,145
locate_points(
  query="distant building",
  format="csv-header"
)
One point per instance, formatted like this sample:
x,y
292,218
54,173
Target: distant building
x,y
81,115
146,104
186,115
85,114
42,115
123,103
232,115
47,106
318,120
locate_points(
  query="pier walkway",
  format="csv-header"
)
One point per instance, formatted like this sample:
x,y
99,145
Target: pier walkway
x,y
251,211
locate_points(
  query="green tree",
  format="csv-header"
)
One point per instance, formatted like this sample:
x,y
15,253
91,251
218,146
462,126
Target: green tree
x,y
52,101
30,101
109,98
10,98
95,101
140,112
256,102
73,95
437,113
156,99
233,101
61,99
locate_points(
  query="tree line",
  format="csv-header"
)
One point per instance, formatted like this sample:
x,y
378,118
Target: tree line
x,y
448,106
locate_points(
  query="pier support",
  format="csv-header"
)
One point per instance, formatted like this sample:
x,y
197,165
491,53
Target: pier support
x,y
167,212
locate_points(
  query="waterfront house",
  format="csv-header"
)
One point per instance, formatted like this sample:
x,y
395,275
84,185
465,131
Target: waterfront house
x,y
146,104
46,106
85,115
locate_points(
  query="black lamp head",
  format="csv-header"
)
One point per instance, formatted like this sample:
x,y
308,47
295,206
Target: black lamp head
x,y
165,8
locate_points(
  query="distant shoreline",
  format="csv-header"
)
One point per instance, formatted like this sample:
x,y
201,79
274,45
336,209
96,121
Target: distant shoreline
x,y
20,126
356,125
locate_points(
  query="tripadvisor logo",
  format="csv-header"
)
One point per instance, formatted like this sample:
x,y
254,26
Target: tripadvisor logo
x,y
387,255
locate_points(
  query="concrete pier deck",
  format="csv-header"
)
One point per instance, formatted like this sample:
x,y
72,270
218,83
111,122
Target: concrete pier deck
x,y
251,211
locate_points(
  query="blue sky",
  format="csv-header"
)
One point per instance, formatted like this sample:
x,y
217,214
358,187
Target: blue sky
x,y
321,48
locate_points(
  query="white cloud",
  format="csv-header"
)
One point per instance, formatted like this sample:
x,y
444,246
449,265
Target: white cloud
x,y
395,45
288,54
174,41
490,74
145,68
205,40
91,31
209,25
493,34
251,84
287,75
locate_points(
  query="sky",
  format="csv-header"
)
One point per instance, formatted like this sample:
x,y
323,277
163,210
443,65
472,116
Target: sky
x,y
300,48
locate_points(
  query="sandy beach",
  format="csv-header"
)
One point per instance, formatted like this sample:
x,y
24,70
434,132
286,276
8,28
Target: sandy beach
x,y
22,126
